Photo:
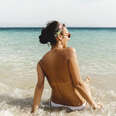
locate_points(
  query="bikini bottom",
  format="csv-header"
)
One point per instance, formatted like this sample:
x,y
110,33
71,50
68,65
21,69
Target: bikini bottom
x,y
81,107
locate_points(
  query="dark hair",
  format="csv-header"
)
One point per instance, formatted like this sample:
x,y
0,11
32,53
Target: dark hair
x,y
48,34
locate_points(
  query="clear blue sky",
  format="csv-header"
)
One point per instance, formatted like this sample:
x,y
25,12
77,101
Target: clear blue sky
x,y
80,13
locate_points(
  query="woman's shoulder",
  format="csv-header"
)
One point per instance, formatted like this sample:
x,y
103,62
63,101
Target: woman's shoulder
x,y
68,52
71,49
43,57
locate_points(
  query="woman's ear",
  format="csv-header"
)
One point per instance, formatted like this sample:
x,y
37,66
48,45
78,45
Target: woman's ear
x,y
59,37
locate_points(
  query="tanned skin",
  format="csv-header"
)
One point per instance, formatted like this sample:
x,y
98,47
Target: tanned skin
x,y
60,67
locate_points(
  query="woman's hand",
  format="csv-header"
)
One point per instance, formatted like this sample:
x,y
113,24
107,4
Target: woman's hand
x,y
97,106
34,108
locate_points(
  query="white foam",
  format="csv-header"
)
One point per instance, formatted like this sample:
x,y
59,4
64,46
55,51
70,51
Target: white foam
x,y
112,93
17,93
3,86
6,113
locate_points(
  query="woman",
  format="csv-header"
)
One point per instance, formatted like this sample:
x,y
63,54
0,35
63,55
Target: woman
x,y
61,69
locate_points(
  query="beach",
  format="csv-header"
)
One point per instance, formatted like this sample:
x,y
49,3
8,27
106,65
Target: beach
x,y
20,52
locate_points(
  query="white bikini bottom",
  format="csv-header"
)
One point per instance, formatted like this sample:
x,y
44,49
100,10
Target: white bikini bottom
x,y
81,107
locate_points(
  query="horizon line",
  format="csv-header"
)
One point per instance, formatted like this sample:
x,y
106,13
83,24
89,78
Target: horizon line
x,y
14,27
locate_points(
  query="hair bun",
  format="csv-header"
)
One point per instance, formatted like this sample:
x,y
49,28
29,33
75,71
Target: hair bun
x,y
49,33
43,37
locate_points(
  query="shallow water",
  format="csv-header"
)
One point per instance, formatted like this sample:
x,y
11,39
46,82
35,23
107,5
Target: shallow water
x,y
20,52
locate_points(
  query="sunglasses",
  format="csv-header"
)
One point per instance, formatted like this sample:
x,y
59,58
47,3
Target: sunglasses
x,y
68,35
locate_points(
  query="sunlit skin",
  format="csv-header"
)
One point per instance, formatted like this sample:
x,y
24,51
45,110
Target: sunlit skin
x,y
60,66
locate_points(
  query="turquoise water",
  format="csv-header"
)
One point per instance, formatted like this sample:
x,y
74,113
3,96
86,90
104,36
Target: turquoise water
x,y
20,51
96,48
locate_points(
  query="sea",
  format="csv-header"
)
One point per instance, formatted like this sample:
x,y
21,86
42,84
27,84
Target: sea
x,y
20,52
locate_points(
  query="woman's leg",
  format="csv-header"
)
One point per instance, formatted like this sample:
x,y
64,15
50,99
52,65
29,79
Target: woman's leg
x,y
87,85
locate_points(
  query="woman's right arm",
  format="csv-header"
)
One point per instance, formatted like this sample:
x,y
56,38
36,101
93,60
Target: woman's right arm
x,y
76,79
39,88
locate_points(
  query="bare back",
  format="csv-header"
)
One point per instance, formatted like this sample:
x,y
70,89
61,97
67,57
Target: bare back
x,y
55,65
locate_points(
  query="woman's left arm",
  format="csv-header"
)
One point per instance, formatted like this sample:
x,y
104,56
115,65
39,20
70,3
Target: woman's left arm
x,y
39,88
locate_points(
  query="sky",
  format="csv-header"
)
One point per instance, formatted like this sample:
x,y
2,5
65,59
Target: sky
x,y
74,13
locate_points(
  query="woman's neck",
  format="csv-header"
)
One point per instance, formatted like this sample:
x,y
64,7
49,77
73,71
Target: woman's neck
x,y
58,45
